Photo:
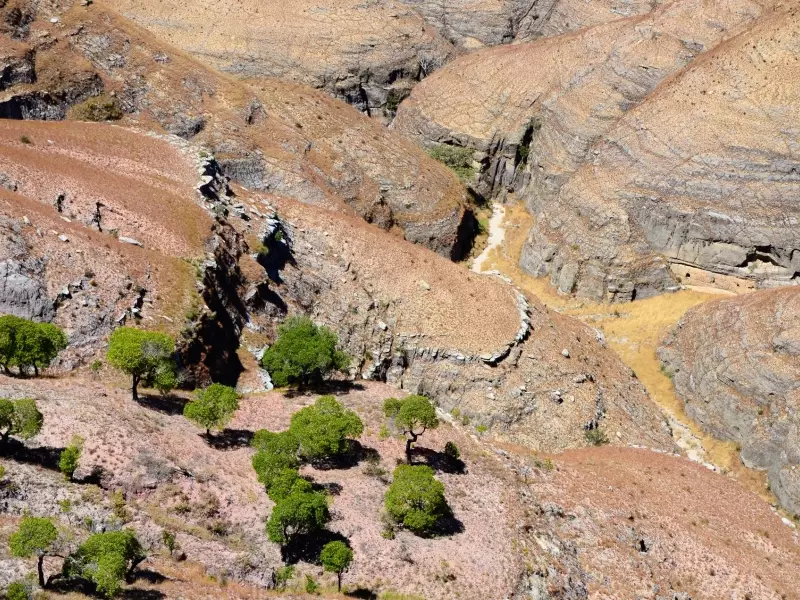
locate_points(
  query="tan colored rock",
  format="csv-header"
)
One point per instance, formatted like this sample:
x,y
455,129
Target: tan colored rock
x,y
736,365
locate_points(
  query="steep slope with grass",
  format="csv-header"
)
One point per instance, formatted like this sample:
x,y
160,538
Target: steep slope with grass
x,y
285,138
736,365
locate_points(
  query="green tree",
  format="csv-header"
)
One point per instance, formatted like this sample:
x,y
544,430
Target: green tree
x,y
35,537
303,354
68,461
37,344
26,344
147,356
336,558
20,418
106,559
325,428
298,513
276,452
412,415
213,407
286,483
416,499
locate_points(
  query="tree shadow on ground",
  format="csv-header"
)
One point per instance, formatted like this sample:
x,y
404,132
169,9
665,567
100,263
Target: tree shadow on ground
x,y
438,461
168,405
43,456
333,488
307,547
229,439
149,575
355,454
448,525
137,594
363,594
333,387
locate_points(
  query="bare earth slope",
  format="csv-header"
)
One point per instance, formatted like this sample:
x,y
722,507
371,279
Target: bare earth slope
x,y
283,137
703,172
736,364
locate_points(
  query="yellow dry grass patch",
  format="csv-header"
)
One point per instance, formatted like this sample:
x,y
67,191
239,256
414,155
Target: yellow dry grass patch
x,y
634,331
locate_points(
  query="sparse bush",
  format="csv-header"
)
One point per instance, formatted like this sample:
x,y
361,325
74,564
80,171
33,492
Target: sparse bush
x,y
20,418
324,429
35,537
283,576
596,436
106,560
118,506
18,590
457,158
297,514
304,354
451,451
2,472
168,538
213,407
97,109
26,344
412,415
146,356
481,429
416,499
311,585
25,139
68,462
336,558
96,366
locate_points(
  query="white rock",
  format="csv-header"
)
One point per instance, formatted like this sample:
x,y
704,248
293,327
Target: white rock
x,y
63,238
128,240
565,353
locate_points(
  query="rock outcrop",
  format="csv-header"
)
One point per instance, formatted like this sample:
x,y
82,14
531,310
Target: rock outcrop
x,y
276,136
583,138
736,365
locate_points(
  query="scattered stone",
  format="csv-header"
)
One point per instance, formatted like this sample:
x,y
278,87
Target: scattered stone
x,y
565,353
132,241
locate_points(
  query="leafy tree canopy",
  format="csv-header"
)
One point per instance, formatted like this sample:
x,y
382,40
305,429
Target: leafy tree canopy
x,y
336,558
106,559
213,407
416,499
303,354
286,483
276,452
34,537
323,429
413,415
20,418
298,513
26,344
145,355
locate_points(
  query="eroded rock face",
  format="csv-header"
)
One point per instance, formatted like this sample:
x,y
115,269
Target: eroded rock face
x,y
736,364
703,172
362,53
23,295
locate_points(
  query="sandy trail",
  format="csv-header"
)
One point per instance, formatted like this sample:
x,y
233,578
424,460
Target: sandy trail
x,y
497,234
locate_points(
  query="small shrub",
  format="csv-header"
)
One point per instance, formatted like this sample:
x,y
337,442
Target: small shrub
x,y
119,507
457,158
96,366
596,436
168,538
312,587
65,505
20,418
451,451
18,590
25,139
2,471
68,462
336,557
481,429
97,109
283,576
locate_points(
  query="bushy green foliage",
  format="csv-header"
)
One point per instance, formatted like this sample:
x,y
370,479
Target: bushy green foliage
x,y
324,429
298,513
457,158
416,499
20,418
147,356
335,558
105,559
312,587
286,483
303,354
68,461
213,407
596,436
99,108
277,452
18,590
412,415
282,577
168,538
35,537
25,344
451,451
